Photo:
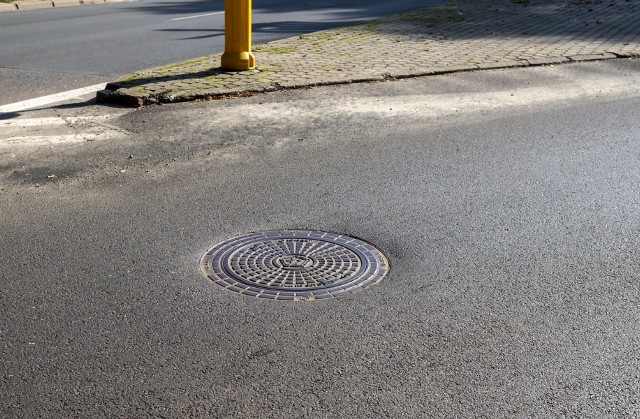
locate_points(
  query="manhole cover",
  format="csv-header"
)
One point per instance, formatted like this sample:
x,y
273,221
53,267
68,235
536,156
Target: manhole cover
x,y
294,264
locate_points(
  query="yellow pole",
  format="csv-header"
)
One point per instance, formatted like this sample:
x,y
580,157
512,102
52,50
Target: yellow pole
x,y
237,36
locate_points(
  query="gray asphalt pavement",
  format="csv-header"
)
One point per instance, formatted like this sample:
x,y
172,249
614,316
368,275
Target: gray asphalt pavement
x,y
506,201
51,50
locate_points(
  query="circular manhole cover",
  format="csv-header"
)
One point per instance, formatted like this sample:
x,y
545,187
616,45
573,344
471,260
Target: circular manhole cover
x,y
294,264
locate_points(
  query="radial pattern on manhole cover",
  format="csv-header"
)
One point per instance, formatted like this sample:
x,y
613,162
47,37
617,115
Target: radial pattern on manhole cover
x,y
294,264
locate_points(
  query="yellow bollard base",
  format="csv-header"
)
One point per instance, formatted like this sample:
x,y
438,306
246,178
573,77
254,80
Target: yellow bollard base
x,y
239,61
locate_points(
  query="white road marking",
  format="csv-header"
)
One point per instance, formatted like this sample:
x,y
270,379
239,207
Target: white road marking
x,y
196,16
48,100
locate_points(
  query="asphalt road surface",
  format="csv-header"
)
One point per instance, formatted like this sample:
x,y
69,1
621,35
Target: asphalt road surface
x,y
507,202
51,50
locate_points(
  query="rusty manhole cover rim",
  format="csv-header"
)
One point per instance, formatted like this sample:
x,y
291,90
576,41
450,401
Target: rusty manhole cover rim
x,y
294,264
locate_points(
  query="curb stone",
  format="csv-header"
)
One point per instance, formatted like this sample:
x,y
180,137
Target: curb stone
x,y
33,5
8,7
66,3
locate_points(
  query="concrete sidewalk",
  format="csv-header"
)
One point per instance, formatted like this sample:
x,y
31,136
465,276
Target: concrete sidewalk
x,y
25,5
459,35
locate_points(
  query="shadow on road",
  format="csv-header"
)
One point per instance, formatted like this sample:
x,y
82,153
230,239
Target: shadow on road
x,y
352,9
283,28
8,115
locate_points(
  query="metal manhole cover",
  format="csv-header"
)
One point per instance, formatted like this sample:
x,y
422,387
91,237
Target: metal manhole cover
x,y
294,264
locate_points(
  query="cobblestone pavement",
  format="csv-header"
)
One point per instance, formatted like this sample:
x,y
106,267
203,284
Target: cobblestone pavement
x,y
459,35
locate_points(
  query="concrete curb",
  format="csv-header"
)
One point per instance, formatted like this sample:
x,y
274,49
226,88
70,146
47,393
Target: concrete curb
x,y
8,7
115,94
33,5
49,4
66,3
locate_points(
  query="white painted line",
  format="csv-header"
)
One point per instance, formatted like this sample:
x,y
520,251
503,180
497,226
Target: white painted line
x,y
48,100
196,16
